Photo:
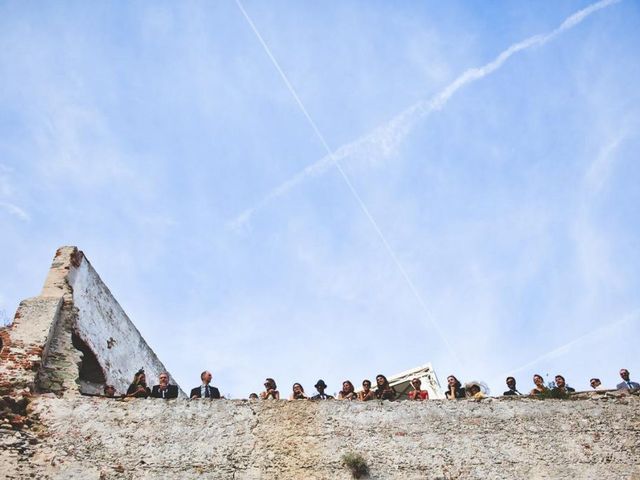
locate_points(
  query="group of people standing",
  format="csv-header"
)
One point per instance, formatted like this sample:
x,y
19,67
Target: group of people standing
x,y
383,390
139,388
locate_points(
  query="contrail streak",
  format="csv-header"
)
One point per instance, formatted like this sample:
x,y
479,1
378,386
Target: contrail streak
x,y
384,140
353,191
592,335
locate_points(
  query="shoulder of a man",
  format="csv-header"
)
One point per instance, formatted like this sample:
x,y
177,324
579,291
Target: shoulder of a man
x,y
195,392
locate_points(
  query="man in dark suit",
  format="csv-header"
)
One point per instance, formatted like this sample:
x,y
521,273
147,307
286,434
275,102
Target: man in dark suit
x,y
164,390
627,384
511,383
205,390
320,387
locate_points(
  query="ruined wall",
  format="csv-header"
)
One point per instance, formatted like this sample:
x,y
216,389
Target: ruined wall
x,y
96,438
107,330
75,326
75,336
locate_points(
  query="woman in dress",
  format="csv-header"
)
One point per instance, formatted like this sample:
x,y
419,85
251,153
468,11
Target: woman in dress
x,y
384,390
348,391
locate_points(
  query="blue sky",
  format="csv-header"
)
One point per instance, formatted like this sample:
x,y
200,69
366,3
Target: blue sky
x,y
160,138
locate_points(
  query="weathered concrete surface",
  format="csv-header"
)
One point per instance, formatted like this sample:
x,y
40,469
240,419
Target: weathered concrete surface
x,y
24,343
38,352
98,438
107,330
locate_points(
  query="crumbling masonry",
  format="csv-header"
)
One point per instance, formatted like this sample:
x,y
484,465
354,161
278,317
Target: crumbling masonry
x,y
74,338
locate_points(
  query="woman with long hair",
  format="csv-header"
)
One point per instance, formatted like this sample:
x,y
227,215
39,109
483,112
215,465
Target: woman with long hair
x,y
348,391
384,390
455,390
298,392
138,388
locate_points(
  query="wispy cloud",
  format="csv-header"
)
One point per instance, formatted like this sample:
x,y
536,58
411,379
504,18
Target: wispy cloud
x,y
596,334
596,176
385,139
15,211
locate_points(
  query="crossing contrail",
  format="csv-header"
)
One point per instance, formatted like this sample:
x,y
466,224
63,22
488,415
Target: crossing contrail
x,y
595,334
384,140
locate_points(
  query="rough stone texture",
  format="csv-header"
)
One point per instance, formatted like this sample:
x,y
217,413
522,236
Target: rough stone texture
x,y
49,431
24,343
37,349
97,438
107,330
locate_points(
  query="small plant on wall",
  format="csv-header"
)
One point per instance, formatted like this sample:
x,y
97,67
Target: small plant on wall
x,y
356,464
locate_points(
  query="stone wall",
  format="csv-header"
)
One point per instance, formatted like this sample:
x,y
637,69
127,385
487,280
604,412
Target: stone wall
x,y
75,337
75,322
98,438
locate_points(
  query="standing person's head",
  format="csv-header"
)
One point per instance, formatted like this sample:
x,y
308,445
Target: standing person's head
x,y
270,384
511,383
366,385
595,383
347,387
206,377
253,396
416,383
163,379
453,382
560,381
538,380
320,386
297,389
139,378
109,391
624,374
382,381
473,389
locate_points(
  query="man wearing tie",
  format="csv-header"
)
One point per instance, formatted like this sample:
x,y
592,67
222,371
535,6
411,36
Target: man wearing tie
x,y
164,390
205,390
627,384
